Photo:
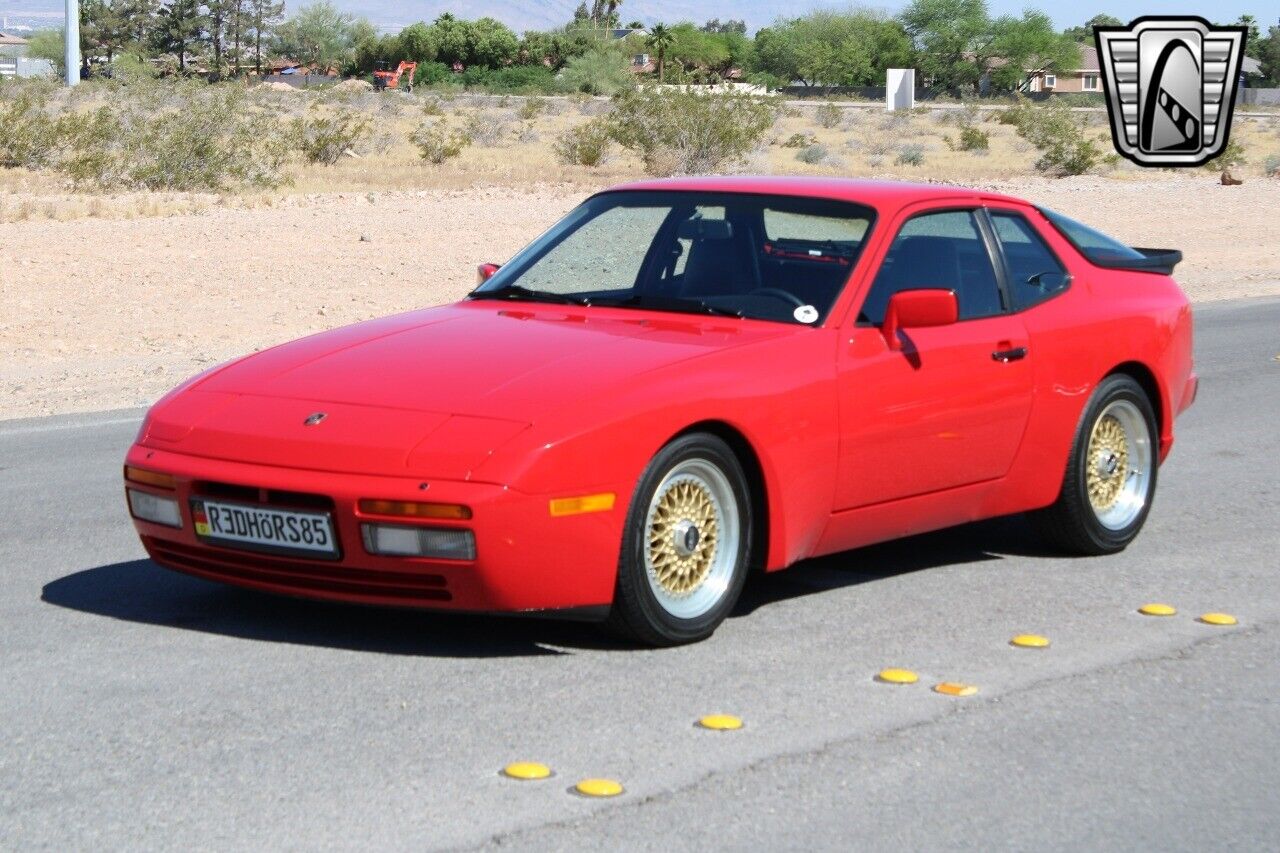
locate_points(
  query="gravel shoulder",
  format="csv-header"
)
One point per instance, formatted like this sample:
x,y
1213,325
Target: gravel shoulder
x,y
99,313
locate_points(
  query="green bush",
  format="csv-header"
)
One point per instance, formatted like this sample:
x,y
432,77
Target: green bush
x,y
686,131
433,74
324,138
599,71
910,155
521,80
828,115
1232,155
437,143
585,145
1059,136
971,139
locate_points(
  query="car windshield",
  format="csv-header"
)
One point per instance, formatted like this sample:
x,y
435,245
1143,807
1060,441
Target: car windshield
x,y
759,256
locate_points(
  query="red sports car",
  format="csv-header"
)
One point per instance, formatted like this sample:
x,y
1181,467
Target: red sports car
x,y
680,383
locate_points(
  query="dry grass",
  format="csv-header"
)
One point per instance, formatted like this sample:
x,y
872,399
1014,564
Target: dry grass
x,y
512,148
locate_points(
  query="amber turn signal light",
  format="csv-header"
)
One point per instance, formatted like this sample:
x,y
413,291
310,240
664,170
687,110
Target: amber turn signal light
x,y
586,503
412,509
149,478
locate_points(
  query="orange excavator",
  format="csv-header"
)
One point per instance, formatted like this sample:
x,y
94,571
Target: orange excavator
x,y
385,78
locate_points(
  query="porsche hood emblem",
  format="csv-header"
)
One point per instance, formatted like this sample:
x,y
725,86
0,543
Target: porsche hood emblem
x,y
314,419
1171,86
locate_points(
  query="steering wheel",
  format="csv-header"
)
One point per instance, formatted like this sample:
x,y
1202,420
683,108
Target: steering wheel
x,y
779,293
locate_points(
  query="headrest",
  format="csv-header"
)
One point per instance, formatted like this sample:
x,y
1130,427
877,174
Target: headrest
x,y
698,228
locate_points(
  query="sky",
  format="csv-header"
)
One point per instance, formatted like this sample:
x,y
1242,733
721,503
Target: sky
x,y
1064,14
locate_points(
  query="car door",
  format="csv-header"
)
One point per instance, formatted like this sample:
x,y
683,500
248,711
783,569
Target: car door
x,y
950,408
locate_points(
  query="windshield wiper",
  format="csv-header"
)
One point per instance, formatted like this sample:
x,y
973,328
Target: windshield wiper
x,y
518,292
669,303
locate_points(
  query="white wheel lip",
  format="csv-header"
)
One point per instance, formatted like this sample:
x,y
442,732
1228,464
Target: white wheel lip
x,y
703,598
1134,495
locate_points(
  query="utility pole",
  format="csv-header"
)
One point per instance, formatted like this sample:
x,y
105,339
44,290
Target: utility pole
x,y
73,42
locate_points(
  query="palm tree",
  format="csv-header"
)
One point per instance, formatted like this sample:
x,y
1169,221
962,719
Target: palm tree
x,y
660,38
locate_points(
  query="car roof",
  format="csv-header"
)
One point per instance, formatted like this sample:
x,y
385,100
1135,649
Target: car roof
x,y
882,195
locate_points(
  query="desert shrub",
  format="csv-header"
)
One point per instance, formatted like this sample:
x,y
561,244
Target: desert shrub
x,y
1232,155
531,109
971,139
323,137
432,107
437,142
211,138
585,145
1058,134
879,146
799,140
28,133
486,129
910,155
599,71
1271,166
812,154
687,131
828,115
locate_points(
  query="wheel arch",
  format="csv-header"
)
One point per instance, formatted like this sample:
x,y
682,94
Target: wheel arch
x,y
762,532
1160,403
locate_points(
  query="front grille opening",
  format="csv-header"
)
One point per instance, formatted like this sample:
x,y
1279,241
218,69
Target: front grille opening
x,y
266,497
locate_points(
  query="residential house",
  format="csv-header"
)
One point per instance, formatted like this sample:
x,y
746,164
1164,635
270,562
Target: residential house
x,y
12,46
1087,78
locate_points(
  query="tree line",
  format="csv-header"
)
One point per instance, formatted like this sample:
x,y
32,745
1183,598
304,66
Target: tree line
x,y
956,45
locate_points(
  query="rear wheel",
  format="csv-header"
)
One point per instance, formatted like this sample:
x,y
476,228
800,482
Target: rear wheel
x,y
686,545
1111,475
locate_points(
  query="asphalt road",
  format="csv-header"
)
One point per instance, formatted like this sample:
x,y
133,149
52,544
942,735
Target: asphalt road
x,y
140,708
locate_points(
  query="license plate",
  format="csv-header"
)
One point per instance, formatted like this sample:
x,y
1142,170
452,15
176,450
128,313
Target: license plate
x,y
260,528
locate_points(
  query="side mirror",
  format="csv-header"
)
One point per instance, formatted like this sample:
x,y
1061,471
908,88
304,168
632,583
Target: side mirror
x,y
484,272
918,309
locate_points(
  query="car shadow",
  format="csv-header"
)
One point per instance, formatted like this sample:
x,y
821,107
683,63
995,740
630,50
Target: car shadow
x,y
141,591
980,541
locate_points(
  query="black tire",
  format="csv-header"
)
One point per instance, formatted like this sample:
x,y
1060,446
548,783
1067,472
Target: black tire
x,y
637,613
1071,523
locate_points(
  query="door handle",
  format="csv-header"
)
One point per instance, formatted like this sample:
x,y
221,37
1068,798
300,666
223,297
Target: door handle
x,y
1004,356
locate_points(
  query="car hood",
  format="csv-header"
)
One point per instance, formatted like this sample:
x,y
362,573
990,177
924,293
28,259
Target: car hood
x,y
432,392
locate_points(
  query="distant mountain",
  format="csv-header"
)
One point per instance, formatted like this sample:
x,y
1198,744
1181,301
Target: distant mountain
x,y
523,15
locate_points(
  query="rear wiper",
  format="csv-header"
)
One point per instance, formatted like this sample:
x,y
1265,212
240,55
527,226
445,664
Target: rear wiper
x,y
519,292
669,303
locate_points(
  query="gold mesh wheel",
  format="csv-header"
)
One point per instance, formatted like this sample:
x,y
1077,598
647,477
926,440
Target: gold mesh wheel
x,y
1108,463
682,536
1118,465
692,537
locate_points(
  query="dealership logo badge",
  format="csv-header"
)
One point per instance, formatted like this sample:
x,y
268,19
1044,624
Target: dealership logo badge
x,y
1171,86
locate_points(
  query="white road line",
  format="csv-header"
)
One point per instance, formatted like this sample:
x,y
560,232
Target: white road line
x,y
32,430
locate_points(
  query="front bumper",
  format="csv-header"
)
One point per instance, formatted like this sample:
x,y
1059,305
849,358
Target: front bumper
x,y
526,560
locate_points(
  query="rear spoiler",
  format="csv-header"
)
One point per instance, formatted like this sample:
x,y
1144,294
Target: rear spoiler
x,y
1160,261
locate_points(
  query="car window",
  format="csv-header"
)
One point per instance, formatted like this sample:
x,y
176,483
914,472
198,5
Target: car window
x,y
1035,274
1094,245
938,250
769,257
605,253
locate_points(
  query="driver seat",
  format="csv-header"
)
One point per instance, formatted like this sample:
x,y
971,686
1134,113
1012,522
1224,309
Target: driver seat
x,y
716,266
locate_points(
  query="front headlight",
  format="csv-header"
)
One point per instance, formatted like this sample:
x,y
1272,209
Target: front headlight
x,y
439,543
157,510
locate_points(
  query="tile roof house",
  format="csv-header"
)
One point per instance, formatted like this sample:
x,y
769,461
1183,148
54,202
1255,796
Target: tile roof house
x,y
12,46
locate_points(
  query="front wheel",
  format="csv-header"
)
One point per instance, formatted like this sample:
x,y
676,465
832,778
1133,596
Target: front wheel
x,y
1111,475
686,546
